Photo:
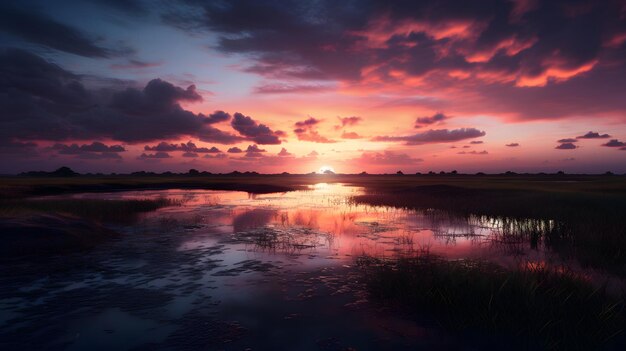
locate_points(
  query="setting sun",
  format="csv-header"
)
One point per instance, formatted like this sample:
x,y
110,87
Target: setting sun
x,y
326,169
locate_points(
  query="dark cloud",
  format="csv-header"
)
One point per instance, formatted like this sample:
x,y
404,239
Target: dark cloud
x,y
593,135
512,145
135,64
42,101
526,62
254,151
435,136
40,29
186,147
235,150
428,120
615,143
306,131
190,154
567,140
217,117
476,142
259,133
96,146
284,153
17,148
566,146
156,155
349,121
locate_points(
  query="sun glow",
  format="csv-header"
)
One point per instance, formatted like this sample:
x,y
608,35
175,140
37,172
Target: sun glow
x,y
326,170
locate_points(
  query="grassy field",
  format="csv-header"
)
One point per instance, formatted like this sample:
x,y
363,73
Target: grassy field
x,y
538,307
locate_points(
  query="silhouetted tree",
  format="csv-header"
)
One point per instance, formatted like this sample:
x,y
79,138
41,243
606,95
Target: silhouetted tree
x,y
193,171
399,173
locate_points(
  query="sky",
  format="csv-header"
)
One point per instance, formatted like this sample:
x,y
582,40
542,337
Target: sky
x,y
301,86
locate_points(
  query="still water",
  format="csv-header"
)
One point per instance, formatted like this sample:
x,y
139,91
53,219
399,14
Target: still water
x,y
229,270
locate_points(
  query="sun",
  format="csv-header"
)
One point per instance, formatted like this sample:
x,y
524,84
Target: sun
x,y
326,170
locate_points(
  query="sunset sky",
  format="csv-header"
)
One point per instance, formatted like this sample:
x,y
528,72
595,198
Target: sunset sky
x,y
273,86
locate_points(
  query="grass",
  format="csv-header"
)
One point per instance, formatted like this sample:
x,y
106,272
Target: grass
x,y
586,225
94,209
537,306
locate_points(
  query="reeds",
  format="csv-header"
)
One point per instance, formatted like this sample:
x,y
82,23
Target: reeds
x,y
540,306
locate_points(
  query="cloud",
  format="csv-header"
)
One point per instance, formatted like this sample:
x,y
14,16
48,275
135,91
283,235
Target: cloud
x,y
284,153
135,64
254,151
512,145
216,156
566,146
350,135
38,28
259,133
18,148
527,63
593,135
156,155
46,102
291,88
95,146
217,117
186,147
390,158
567,140
95,150
190,154
349,121
476,142
484,152
235,150
435,136
306,131
615,143
428,120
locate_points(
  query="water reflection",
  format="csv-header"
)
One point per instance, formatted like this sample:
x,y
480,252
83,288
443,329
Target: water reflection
x,y
323,221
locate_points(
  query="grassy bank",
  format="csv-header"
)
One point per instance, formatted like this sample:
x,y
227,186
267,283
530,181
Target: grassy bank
x,y
537,307
92,209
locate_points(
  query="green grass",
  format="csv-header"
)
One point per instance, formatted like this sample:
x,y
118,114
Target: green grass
x,y
546,307
94,209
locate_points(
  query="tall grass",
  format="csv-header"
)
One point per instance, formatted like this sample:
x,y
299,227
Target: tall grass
x,y
589,227
538,306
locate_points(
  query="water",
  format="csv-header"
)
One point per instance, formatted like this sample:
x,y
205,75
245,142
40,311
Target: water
x,y
228,270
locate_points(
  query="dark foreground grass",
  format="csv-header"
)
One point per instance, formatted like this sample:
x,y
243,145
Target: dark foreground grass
x,y
536,307
92,209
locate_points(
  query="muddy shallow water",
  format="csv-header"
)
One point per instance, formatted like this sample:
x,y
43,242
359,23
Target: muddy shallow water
x,y
228,270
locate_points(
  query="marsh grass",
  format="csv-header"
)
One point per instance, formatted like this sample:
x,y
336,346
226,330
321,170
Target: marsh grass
x,y
94,209
586,226
538,306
